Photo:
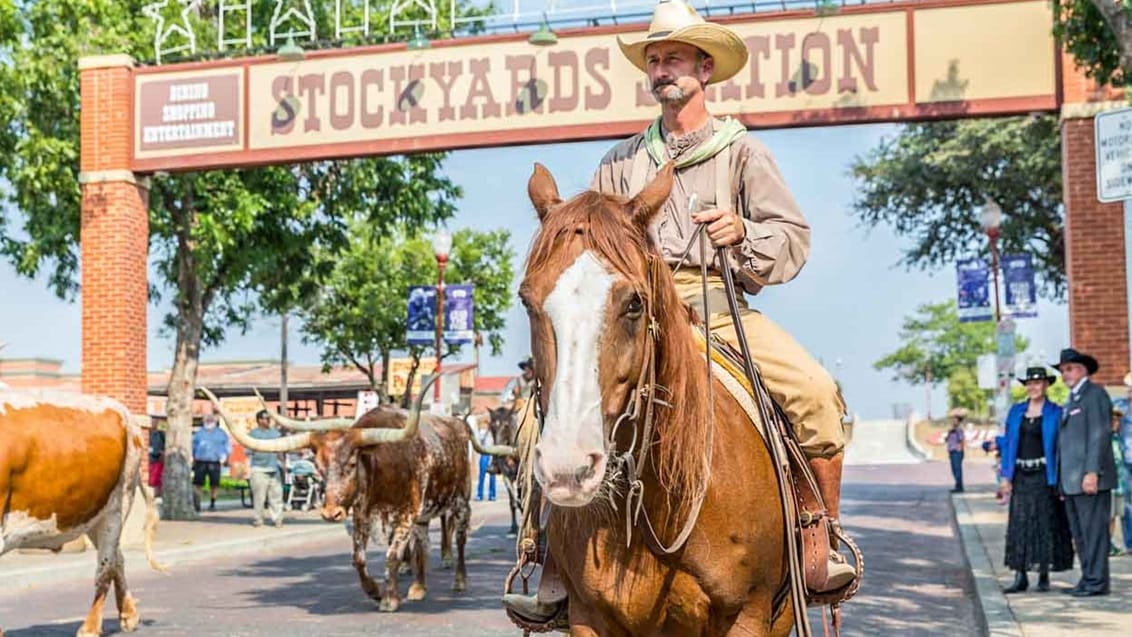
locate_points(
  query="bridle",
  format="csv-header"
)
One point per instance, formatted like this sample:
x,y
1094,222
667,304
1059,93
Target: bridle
x,y
640,414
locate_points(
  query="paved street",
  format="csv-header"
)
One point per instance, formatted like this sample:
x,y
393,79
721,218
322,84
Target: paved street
x,y
899,514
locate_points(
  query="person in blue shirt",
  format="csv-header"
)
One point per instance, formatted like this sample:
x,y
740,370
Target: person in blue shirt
x,y
1037,531
211,448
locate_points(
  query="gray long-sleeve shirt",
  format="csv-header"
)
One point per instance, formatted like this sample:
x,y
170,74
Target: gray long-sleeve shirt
x,y
777,239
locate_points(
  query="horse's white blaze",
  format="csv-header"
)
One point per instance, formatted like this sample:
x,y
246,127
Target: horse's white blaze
x,y
576,308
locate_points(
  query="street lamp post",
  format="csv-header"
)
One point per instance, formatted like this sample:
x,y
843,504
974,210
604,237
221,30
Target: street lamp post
x,y
991,219
441,244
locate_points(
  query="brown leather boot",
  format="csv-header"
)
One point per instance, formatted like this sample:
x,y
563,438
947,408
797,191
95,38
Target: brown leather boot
x,y
827,473
548,603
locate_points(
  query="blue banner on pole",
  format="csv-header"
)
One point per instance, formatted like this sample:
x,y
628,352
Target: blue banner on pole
x,y
459,305
421,326
974,291
1021,292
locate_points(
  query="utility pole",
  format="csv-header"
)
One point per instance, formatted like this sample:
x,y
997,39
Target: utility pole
x,y
928,392
283,367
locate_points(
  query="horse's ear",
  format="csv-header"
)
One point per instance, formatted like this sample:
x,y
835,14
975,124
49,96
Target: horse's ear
x,y
650,200
542,191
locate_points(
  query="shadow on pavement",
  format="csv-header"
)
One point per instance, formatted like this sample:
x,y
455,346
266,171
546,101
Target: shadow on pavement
x,y
331,587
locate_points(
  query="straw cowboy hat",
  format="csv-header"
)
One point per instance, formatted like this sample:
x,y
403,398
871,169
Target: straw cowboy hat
x,y
958,412
674,21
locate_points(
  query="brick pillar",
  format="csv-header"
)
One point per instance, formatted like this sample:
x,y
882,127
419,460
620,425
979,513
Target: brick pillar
x,y
115,235
1094,250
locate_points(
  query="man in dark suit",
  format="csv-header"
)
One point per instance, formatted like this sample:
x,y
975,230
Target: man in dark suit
x,y
1086,469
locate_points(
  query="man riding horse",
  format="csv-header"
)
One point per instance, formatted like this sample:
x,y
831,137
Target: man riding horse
x,y
742,199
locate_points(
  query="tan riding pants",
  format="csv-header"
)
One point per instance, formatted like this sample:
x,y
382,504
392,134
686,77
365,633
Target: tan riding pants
x,y
797,382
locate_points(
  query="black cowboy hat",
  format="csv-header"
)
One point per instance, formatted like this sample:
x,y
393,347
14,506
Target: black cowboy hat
x,y
528,363
1037,373
1070,355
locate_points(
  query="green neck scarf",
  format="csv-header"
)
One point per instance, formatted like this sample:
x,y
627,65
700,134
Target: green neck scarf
x,y
728,132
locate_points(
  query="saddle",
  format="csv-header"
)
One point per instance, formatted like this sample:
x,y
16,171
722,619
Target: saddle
x,y
809,518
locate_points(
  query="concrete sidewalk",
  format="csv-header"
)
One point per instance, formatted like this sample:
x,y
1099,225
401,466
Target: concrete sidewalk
x,y
226,530
982,527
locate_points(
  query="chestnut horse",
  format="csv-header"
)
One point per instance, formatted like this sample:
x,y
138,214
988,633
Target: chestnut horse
x,y
619,372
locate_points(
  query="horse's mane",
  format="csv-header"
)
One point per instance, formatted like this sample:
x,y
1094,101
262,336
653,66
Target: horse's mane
x,y
603,225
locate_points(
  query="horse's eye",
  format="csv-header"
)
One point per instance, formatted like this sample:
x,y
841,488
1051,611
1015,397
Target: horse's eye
x,y
635,306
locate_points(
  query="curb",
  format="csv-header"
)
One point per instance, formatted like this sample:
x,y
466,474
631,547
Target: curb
x,y
991,608
914,445
82,565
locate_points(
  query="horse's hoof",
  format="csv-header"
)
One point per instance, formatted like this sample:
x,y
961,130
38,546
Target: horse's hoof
x,y
129,623
389,605
460,585
447,563
404,568
83,632
513,533
416,592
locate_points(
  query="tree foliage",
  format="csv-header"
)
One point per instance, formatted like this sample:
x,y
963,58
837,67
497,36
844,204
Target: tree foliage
x,y
1098,34
936,345
223,243
359,315
929,182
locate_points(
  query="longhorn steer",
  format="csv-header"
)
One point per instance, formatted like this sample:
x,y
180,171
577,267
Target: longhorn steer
x,y
503,430
69,465
391,465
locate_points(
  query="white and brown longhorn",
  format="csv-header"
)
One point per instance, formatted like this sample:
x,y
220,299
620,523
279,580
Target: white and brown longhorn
x,y
44,436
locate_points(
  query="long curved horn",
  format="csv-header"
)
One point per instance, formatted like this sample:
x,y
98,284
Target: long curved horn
x,y
490,450
324,424
378,436
275,445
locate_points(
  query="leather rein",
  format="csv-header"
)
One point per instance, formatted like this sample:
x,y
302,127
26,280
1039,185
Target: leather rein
x,y
640,412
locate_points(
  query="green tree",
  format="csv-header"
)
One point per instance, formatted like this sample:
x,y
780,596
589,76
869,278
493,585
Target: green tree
x,y
929,182
1098,34
937,347
224,243
358,317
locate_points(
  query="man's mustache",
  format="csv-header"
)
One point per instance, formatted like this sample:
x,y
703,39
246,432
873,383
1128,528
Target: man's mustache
x,y
662,83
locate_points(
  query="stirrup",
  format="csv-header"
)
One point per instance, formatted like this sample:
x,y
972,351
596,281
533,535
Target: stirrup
x,y
534,616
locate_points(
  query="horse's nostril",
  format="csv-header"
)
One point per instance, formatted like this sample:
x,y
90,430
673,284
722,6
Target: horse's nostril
x,y
586,471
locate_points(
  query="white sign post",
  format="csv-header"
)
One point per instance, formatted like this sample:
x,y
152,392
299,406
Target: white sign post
x,y
1113,130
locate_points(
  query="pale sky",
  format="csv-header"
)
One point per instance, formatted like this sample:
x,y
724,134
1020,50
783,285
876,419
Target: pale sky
x,y
846,306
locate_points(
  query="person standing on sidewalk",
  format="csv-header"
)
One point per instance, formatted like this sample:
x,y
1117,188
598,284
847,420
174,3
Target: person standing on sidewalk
x,y
484,437
267,473
956,441
1120,492
1126,460
1037,530
1086,469
211,448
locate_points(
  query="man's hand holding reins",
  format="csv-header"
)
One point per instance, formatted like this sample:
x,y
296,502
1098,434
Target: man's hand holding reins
x,y
724,228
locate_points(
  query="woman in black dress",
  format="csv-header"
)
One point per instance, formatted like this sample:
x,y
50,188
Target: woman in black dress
x,y
1037,533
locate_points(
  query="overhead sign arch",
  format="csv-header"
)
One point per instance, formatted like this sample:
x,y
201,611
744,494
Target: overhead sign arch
x,y
871,63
